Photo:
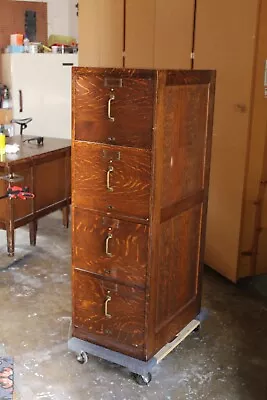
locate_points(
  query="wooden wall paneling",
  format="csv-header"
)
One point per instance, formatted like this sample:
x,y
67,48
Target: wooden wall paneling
x,y
101,33
13,20
231,52
140,33
6,21
18,10
174,26
253,212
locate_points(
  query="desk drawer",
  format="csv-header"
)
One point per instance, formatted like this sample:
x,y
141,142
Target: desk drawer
x,y
107,106
108,311
111,179
110,247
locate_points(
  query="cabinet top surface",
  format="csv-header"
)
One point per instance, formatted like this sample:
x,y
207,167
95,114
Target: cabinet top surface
x,y
30,150
180,76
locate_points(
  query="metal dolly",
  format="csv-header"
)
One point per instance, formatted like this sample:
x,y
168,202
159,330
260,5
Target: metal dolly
x,y
141,370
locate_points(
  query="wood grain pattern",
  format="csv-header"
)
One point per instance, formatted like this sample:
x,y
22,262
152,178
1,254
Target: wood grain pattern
x,y
46,171
130,179
181,159
165,189
126,307
132,108
13,20
57,191
178,265
184,142
30,152
128,246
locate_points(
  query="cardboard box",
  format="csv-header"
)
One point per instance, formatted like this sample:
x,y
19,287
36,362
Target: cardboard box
x,y
5,116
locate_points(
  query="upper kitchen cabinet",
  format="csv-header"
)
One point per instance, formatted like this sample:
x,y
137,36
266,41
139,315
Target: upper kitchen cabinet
x,y
139,33
101,27
231,37
174,29
136,33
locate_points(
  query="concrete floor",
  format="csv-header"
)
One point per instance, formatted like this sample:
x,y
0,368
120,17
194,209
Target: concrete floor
x,y
226,361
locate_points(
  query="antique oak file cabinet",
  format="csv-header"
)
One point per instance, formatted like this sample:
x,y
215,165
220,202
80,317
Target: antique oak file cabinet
x,y
140,170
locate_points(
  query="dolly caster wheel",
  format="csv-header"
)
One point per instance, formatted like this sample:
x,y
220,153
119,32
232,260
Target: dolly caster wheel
x,y
143,380
82,358
197,329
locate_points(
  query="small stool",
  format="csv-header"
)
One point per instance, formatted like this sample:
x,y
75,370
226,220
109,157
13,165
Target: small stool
x,y
22,122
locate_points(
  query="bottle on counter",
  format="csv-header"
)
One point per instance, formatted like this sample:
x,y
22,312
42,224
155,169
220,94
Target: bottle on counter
x,y
2,143
26,44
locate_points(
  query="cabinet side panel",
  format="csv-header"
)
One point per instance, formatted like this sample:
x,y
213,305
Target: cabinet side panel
x,y
184,128
184,142
229,49
178,266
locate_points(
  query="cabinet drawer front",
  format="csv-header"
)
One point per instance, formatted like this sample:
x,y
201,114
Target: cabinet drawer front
x,y
108,310
106,107
110,247
111,180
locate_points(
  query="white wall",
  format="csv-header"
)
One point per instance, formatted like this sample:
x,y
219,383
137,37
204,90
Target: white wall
x,y
73,19
62,19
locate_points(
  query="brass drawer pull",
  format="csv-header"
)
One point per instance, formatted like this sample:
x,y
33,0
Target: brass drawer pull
x,y
111,98
108,299
110,236
110,169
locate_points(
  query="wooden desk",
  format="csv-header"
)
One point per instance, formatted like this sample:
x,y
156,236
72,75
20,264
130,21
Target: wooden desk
x,y
45,169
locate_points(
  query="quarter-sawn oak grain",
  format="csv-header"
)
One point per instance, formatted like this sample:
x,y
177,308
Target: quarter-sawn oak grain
x,y
158,153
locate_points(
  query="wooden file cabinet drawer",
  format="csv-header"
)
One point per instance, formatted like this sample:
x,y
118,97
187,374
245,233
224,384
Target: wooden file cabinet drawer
x,y
109,311
111,179
109,104
110,247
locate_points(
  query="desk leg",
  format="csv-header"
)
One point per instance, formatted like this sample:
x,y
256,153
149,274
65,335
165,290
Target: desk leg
x,y
33,232
66,215
10,235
